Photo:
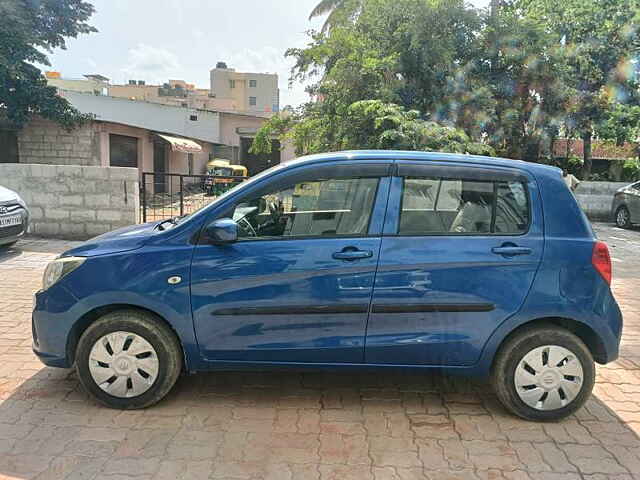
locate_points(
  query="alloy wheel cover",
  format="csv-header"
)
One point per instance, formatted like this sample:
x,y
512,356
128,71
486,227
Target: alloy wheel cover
x,y
548,377
123,364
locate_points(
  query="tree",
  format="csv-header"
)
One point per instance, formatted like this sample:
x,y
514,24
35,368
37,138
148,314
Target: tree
x,y
27,28
407,52
338,10
369,124
596,38
521,68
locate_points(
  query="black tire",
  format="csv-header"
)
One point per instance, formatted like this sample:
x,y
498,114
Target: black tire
x,y
151,329
623,217
514,350
8,245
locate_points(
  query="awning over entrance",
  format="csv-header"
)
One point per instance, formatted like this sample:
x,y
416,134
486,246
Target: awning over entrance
x,y
181,144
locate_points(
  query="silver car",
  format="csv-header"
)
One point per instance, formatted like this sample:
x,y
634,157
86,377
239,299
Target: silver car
x,y
626,205
14,217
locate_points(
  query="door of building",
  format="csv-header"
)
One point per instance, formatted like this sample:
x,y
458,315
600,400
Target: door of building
x,y
159,167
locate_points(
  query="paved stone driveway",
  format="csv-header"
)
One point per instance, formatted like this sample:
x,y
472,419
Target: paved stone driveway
x,y
307,425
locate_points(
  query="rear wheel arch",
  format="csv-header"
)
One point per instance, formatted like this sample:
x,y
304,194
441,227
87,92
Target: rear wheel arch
x,y
91,316
583,331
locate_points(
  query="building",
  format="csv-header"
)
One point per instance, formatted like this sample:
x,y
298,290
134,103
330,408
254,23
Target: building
x,y
249,92
90,83
152,137
230,90
607,158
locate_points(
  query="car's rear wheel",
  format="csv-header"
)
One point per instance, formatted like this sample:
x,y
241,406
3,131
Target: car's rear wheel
x,y
128,359
543,373
623,217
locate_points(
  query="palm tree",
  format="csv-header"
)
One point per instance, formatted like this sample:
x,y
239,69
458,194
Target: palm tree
x,y
336,9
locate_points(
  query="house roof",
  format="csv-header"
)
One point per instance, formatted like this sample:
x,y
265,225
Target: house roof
x,y
599,149
178,121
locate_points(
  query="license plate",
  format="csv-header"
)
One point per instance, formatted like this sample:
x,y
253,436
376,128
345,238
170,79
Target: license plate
x,y
10,221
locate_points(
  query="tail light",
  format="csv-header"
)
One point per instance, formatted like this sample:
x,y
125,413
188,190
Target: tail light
x,y
602,261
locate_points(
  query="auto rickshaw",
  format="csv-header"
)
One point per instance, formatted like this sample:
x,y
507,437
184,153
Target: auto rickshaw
x,y
221,176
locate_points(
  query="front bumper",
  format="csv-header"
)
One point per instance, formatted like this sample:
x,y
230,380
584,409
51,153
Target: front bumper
x,y
52,323
12,233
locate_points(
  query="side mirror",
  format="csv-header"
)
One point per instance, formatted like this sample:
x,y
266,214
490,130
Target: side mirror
x,y
223,230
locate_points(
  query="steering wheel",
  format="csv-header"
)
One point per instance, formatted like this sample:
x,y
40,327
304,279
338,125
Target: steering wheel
x,y
245,226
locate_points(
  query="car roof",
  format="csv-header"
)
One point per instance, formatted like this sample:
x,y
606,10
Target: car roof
x,y
425,156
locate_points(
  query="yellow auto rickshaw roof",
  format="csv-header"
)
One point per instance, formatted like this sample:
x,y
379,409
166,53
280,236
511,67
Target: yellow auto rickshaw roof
x,y
218,162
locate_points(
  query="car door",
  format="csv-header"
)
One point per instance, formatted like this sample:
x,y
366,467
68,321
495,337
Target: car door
x,y
460,250
297,285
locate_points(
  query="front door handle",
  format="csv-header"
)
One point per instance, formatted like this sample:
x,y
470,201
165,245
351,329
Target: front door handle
x,y
511,250
349,254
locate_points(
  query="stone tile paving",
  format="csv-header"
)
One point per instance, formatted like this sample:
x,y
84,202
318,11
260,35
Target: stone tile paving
x,y
322,425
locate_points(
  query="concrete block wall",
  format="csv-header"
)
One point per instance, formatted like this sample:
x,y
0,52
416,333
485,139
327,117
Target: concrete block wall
x,y
595,198
75,202
45,142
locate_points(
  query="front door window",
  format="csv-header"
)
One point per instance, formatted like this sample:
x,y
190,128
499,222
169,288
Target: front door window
x,y
322,208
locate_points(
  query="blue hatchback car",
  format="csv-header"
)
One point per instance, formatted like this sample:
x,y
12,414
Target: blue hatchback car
x,y
466,264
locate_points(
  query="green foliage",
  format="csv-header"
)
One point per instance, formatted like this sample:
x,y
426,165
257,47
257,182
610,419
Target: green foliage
x,y
28,29
338,11
631,170
574,165
597,40
621,124
367,124
519,76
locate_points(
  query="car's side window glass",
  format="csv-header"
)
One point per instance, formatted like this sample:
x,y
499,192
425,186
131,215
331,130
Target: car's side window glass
x,y
329,207
437,206
512,208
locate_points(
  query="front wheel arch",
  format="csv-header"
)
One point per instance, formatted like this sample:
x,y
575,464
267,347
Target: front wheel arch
x,y
91,316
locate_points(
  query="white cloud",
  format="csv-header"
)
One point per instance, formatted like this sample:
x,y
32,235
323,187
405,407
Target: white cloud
x,y
155,65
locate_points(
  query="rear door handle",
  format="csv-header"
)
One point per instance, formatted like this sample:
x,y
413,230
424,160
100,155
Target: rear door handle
x,y
511,250
352,254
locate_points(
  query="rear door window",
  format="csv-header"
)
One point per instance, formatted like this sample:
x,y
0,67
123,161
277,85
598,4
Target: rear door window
x,y
444,206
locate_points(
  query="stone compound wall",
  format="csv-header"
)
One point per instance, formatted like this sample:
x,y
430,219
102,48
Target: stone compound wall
x,y
45,142
595,198
72,201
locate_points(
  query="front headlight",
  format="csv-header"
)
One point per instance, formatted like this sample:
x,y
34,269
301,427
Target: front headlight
x,y
59,268
20,201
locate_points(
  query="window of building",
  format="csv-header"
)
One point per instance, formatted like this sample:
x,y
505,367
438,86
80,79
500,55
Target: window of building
x,y
253,83
332,207
193,118
123,151
253,101
436,206
232,84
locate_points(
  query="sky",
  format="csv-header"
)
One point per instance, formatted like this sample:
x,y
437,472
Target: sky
x,y
157,40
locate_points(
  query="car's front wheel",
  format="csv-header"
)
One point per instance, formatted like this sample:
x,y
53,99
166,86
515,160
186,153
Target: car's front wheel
x,y
623,217
543,373
128,359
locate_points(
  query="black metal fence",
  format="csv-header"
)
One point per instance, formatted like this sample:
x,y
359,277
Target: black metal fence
x,y
167,195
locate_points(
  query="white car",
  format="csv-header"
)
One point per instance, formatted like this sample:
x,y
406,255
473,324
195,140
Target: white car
x,y
14,217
